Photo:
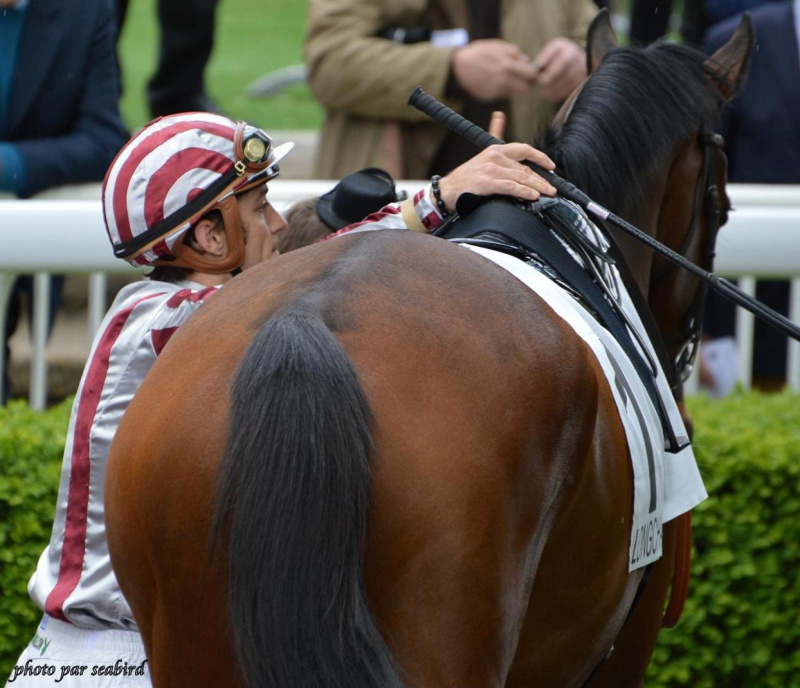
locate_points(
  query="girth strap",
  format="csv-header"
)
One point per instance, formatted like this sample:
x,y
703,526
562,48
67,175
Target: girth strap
x,y
530,230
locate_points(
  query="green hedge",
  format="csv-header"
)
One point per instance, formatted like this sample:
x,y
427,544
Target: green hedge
x,y
31,445
741,624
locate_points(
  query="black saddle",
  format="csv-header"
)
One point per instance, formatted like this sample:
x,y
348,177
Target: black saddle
x,y
541,231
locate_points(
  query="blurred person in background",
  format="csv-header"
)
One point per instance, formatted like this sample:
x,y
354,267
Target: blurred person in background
x,y
185,46
761,127
59,110
365,58
650,19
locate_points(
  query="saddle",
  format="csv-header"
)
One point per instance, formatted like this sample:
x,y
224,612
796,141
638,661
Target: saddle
x,y
550,234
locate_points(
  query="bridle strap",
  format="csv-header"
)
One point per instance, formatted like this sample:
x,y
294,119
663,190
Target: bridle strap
x,y
707,205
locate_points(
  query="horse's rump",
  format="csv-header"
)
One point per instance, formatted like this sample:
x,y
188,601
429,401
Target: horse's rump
x,y
475,422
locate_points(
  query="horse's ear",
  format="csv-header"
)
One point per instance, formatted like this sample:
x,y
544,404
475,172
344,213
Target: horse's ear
x,y
731,62
600,38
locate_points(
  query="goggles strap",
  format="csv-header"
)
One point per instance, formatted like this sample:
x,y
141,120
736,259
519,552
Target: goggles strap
x,y
143,241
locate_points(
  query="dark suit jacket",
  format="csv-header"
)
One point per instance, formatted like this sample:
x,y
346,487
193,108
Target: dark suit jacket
x,y
762,125
762,141
63,111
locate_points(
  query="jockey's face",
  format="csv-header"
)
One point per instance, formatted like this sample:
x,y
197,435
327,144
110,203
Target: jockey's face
x,y
260,223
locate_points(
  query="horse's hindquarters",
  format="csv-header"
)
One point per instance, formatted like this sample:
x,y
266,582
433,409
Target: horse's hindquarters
x,y
488,438
486,412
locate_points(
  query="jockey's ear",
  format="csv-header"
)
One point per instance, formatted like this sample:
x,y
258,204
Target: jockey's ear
x,y
209,236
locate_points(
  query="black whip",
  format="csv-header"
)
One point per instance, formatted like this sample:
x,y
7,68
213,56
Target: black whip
x,y
461,126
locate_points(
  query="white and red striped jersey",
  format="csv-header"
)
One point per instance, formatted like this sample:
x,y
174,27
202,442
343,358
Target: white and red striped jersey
x,y
73,580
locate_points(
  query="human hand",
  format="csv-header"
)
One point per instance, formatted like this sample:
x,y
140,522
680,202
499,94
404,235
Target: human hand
x,y
492,69
498,170
561,68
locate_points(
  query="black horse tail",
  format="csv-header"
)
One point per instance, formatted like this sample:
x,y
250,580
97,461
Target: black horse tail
x,y
292,510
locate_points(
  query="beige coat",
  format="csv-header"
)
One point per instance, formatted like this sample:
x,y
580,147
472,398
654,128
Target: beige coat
x,y
364,82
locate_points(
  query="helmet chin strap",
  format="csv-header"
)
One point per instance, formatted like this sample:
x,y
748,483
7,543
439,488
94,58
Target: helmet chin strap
x,y
187,257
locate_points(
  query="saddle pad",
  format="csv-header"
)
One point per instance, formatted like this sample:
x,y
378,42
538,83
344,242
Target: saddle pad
x,y
665,485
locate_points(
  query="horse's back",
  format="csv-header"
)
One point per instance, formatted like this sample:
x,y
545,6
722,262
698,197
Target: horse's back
x,y
485,406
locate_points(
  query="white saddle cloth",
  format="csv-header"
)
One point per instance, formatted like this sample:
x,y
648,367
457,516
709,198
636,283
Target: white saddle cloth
x,y
665,485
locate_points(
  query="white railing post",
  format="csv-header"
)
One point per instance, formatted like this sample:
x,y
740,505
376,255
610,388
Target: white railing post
x,y
793,362
745,326
97,301
39,331
6,283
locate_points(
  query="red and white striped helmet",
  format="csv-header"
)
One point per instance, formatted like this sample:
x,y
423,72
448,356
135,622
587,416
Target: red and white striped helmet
x,y
173,172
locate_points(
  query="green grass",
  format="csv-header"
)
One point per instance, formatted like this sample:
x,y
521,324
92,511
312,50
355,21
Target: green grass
x,y
253,38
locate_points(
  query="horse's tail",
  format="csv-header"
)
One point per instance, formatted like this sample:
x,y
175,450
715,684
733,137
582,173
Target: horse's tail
x,y
292,512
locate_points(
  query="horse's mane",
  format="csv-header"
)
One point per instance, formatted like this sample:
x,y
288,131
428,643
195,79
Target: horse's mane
x,y
628,118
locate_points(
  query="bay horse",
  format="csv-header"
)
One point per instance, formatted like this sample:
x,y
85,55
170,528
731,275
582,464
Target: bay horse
x,y
384,461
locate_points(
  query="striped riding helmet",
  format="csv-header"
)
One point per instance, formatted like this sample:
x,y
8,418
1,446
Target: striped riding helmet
x,y
172,173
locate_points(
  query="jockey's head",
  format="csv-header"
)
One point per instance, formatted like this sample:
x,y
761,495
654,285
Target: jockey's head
x,y
175,172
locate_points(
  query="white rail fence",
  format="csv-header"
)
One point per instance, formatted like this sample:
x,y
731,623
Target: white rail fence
x,y
62,232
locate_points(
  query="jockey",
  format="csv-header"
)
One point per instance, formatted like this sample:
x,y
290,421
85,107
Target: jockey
x,y
187,199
